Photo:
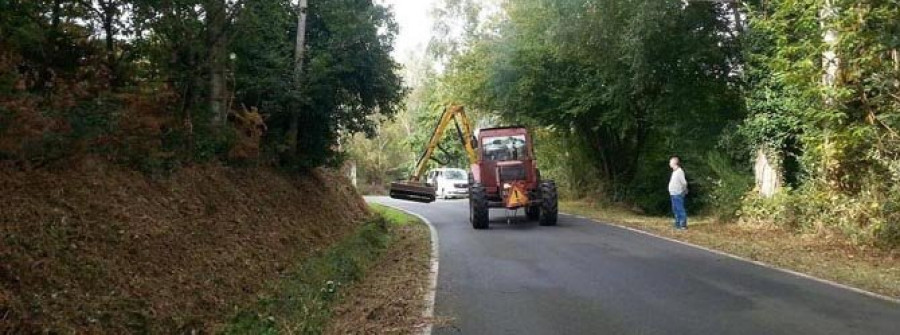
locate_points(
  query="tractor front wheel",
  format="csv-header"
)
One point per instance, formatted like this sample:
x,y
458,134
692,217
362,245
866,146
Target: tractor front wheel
x,y
478,207
549,203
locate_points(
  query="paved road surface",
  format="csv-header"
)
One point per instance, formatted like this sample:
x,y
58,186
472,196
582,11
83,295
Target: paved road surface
x,y
582,277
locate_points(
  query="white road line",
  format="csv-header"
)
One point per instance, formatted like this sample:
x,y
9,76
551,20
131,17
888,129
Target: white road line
x,y
765,265
433,275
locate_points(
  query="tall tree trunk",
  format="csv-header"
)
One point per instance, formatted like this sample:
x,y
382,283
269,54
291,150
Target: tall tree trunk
x,y
56,14
215,11
108,12
830,61
831,66
300,46
738,21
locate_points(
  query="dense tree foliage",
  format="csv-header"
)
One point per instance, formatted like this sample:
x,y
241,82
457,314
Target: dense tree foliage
x,y
824,99
625,83
155,82
402,140
612,88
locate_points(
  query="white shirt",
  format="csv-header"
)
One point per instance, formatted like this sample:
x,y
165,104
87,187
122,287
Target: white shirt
x,y
677,184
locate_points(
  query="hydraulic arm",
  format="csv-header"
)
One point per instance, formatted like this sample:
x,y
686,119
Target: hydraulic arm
x,y
415,189
454,114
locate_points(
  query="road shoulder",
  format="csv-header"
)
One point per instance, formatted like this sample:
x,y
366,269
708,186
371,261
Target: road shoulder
x,y
867,271
396,296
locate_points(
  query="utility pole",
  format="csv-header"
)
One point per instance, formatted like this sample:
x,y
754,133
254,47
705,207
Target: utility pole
x,y
299,48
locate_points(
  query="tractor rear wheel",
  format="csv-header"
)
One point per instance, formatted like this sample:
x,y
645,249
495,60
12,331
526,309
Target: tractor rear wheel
x,y
549,203
478,207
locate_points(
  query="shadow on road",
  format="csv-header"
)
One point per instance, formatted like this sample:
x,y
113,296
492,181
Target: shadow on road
x,y
519,222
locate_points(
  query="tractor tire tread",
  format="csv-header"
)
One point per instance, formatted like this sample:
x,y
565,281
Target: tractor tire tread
x,y
549,203
478,207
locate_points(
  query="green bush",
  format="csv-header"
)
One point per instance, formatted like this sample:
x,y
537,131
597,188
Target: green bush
x,y
887,229
649,189
212,143
870,217
775,211
729,186
566,158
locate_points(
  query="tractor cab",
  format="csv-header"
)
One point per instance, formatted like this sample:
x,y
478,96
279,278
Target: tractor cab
x,y
505,157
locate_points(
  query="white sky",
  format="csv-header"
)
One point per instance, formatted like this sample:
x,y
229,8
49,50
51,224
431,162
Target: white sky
x,y
415,27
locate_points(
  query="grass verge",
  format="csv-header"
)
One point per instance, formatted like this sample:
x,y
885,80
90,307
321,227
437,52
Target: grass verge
x,y
390,300
315,296
821,256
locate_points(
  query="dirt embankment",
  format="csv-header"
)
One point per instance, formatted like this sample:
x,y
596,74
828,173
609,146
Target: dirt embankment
x,y
99,248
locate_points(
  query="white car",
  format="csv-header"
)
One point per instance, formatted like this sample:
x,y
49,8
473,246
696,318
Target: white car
x,y
449,183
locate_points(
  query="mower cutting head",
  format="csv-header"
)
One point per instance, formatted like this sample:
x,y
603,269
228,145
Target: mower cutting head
x,y
412,191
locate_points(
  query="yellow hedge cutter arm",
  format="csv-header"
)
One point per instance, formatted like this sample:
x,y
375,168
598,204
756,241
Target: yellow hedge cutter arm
x,y
415,189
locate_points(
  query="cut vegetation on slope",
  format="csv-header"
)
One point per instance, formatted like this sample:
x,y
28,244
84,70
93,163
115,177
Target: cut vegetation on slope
x,y
373,282
100,248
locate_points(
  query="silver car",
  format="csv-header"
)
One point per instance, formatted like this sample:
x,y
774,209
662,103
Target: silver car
x,y
449,182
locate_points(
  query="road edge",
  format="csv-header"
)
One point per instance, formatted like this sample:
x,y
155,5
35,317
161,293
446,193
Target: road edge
x,y
758,263
428,313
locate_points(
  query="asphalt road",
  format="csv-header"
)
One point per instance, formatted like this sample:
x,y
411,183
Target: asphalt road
x,y
582,277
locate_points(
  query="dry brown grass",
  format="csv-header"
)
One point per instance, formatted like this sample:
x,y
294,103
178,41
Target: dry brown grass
x,y
824,256
390,299
97,248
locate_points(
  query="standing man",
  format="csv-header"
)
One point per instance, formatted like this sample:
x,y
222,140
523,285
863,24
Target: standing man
x,y
678,188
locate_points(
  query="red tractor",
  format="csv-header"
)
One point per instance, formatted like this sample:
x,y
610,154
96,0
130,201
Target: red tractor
x,y
503,173
506,176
